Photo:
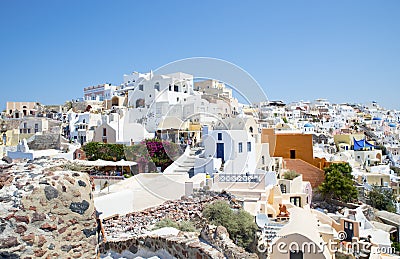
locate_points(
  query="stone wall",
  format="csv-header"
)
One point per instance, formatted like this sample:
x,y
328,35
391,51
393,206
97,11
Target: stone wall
x,y
45,214
219,237
185,245
215,243
45,141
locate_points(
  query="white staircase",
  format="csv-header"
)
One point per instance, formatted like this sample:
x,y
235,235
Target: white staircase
x,y
271,230
184,163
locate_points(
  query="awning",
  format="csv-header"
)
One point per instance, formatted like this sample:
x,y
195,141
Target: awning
x,y
103,163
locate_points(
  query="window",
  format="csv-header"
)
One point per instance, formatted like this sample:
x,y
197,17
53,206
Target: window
x,y
104,132
170,88
157,86
248,146
219,136
36,127
141,87
240,147
283,188
140,103
176,88
263,160
295,201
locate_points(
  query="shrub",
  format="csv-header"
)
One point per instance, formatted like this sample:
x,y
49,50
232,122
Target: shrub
x,y
381,199
153,152
105,151
290,175
167,222
239,224
186,226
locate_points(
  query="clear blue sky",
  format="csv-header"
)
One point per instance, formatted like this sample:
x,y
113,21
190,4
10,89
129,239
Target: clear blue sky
x,y
346,51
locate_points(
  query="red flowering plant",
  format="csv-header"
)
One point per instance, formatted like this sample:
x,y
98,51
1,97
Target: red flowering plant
x,y
154,153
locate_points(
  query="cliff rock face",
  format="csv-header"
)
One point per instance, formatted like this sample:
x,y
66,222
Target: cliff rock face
x,y
45,214
219,237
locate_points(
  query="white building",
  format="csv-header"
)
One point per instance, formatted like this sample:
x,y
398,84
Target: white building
x,y
236,149
115,128
33,125
82,126
308,128
152,97
99,93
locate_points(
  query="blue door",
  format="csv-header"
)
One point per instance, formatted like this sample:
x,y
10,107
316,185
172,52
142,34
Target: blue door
x,y
220,151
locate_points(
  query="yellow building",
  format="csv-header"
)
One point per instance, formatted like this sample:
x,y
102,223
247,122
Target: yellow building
x,y
346,141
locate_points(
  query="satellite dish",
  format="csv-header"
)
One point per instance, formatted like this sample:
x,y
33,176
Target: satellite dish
x,y
261,220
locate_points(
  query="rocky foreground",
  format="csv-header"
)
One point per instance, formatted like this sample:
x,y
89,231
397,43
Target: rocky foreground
x,y
46,212
138,223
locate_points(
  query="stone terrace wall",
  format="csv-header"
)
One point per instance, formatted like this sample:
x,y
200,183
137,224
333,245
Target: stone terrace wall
x,y
219,237
45,141
46,214
185,245
215,244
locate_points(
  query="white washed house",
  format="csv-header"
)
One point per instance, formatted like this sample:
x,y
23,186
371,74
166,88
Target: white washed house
x,y
236,149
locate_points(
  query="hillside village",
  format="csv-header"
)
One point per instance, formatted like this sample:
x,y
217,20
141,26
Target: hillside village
x,y
164,145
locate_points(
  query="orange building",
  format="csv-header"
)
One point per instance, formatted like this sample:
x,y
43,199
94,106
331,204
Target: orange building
x,y
289,145
297,151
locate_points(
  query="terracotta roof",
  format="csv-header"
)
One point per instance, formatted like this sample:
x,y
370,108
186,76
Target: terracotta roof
x,y
310,173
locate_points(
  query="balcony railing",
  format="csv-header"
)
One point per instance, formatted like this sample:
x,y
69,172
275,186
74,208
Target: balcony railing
x,y
243,178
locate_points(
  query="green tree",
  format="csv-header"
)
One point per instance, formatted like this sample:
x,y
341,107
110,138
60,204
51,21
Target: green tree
x,y
338,183
239,223
381,199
